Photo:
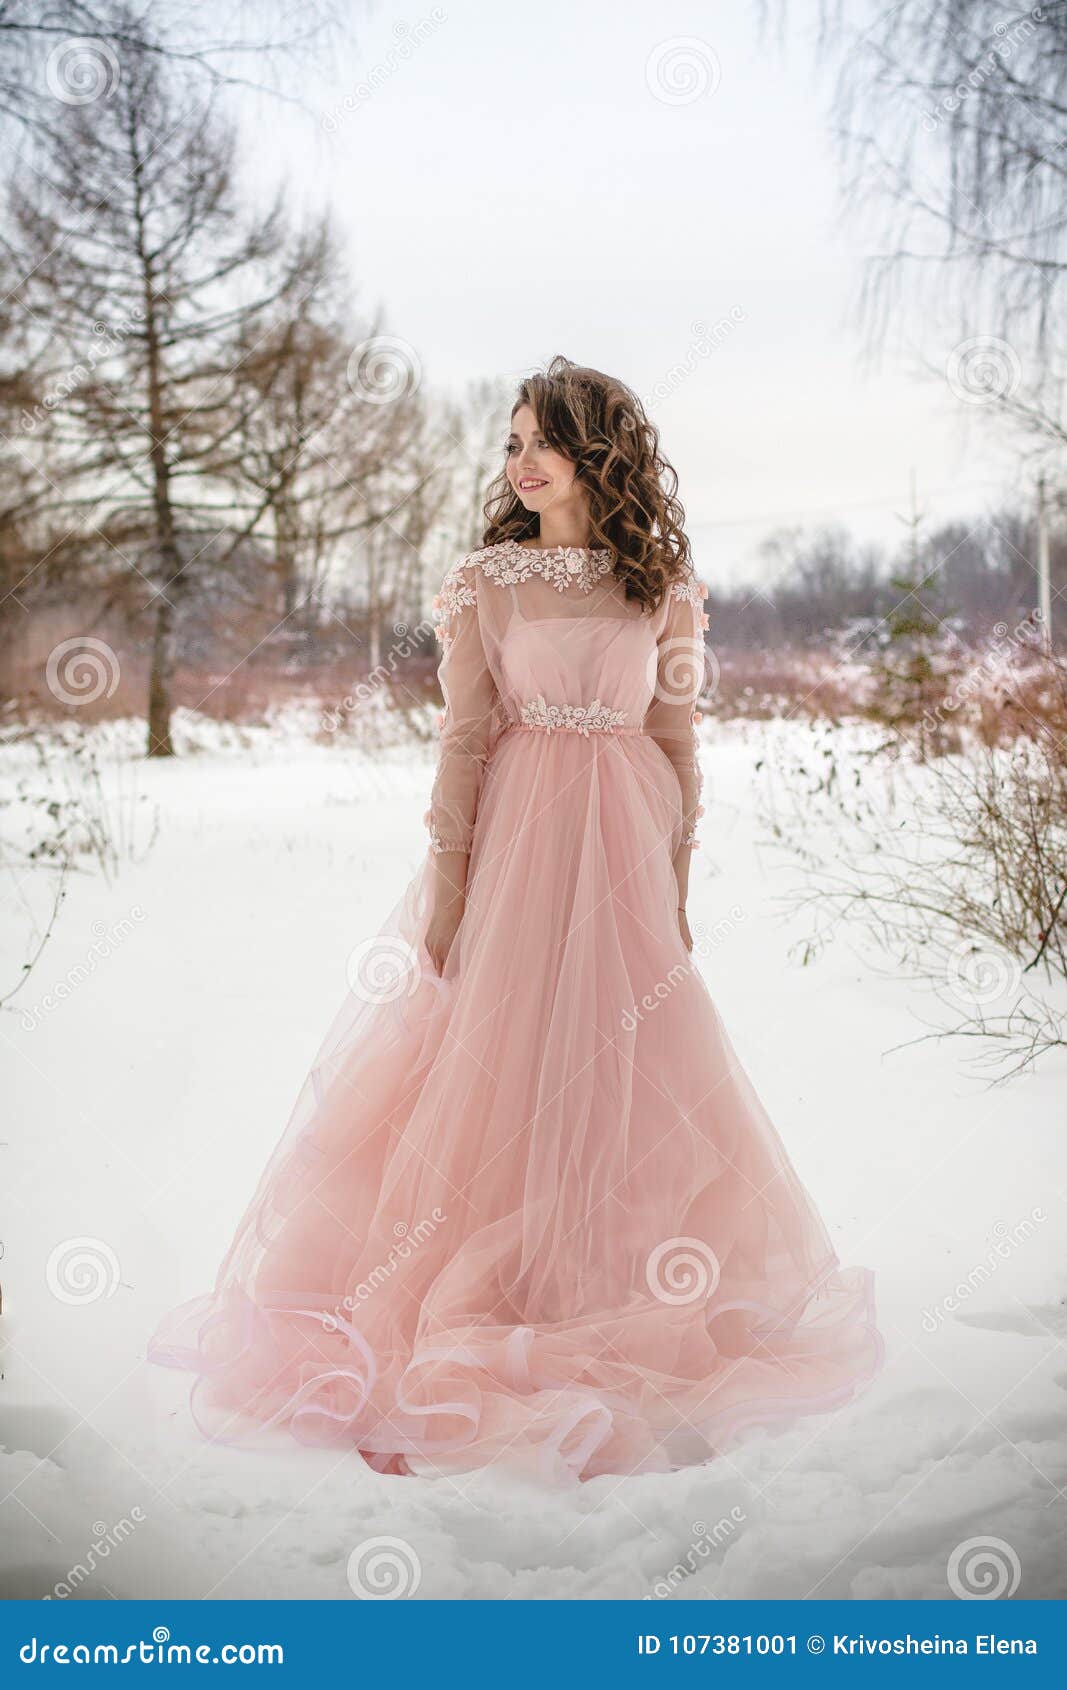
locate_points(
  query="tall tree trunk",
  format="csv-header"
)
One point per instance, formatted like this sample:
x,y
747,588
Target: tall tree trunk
x,y
159,701
285,543
160,678
373,609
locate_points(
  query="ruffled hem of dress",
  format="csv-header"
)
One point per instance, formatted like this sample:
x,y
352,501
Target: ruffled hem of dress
x,y
568,1432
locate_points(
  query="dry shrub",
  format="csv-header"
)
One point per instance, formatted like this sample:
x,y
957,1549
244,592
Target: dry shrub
x,y
956,867
785,681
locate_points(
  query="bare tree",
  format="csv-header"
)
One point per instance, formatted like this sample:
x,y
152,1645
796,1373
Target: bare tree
x,y
328,457
951,113
951,118
72,50
479,425
140,267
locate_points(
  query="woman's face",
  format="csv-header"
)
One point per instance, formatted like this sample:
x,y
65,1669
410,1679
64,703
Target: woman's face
x,y
541,476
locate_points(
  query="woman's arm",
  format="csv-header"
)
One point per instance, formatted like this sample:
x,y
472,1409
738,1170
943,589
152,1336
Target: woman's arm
x,y
470,697
672,716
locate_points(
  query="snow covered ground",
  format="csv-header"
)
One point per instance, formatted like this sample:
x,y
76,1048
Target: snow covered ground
x,y
150,1062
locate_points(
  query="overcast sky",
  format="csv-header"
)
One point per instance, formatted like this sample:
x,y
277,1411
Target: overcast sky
x,y
537,179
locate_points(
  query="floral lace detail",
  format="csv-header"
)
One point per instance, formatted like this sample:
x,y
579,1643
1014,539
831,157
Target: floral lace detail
x,y
457,593
690,836
573,718
562,566
507,565
690,590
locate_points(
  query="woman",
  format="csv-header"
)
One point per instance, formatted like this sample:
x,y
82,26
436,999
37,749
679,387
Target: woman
x,y
529,1211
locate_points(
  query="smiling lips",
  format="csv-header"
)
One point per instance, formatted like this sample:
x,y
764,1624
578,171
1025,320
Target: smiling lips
x,y
530,484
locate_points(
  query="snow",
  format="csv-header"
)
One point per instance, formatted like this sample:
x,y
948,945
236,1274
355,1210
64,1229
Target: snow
x,y
151,1058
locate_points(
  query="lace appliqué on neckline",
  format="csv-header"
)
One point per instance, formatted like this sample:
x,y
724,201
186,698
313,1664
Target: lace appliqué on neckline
x,y
509,564
572,718
562,566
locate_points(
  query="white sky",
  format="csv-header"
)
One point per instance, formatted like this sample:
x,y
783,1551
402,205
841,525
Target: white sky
x,y
513,189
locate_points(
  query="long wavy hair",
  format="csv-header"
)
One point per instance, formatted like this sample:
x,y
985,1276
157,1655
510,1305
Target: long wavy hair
x,y
634,511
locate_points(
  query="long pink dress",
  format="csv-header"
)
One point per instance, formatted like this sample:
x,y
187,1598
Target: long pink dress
x,y
532,1213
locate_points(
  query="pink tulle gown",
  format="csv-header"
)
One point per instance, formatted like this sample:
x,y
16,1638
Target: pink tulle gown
x,y
532,1213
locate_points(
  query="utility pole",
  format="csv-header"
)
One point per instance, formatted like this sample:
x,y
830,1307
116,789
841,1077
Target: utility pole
x,y
1044,585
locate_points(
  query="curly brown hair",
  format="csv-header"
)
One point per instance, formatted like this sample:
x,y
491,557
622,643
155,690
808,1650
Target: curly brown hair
x,y
601,427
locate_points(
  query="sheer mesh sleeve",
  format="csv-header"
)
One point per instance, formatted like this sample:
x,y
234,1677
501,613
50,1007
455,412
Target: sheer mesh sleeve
x,y
469,715
672,715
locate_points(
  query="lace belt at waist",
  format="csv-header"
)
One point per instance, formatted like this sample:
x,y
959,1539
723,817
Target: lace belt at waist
x,y
595,718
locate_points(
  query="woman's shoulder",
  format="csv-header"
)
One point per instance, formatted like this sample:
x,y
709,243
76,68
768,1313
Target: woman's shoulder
x,y
681,612
458,592
459,589
686,588
489,560
504,564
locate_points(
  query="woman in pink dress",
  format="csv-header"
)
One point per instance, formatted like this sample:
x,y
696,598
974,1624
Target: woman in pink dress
x,y
529,1210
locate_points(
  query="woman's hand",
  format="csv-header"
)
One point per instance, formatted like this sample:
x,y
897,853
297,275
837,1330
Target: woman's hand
x,y
681,876
683,928
441,930
449,901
